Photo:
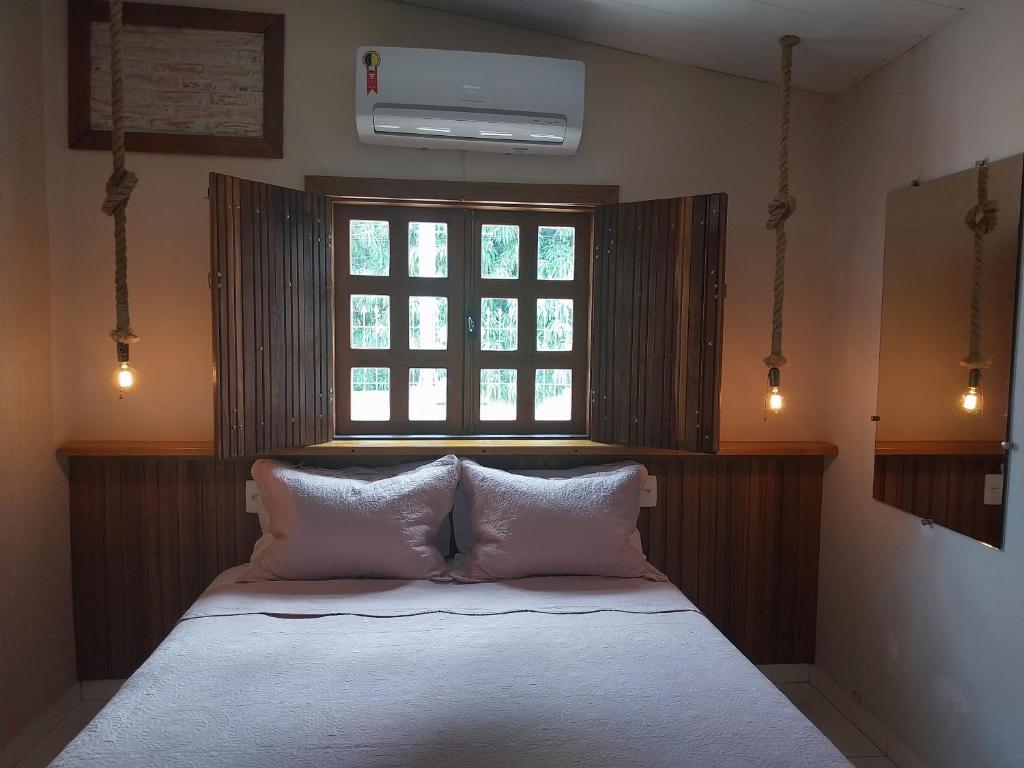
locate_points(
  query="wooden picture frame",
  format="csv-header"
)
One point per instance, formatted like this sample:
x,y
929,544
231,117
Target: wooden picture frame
x,y
82,135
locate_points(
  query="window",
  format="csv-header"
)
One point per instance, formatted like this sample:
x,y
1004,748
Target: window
x,y
461,321
337,311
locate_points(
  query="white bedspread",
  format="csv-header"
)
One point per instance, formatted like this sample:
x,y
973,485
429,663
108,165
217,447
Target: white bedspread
x,y
559,671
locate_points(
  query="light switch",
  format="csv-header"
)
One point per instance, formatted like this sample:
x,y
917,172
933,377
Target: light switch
x,y
649,493
993,490
253,501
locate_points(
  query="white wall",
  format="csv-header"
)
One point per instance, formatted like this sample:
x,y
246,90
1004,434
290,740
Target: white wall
x,y
36,647
925,625
657,129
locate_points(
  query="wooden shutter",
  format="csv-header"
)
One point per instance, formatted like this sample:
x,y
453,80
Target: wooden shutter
x,y
273,326
656,335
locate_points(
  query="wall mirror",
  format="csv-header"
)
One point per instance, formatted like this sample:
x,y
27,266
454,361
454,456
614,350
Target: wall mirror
x,y
946,348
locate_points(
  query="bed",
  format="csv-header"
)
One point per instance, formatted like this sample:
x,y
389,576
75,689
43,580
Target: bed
x,y
543,671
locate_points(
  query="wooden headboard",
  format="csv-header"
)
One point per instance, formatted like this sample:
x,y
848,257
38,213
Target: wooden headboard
x,y
738,532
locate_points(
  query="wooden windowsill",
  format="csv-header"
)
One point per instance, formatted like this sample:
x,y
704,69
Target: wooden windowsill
x,y
938,448
461,446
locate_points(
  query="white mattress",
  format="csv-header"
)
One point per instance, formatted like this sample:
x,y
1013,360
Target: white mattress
x,y
536,672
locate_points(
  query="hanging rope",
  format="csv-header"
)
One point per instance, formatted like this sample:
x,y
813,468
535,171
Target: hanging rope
x,y
783,205
981,220
119,187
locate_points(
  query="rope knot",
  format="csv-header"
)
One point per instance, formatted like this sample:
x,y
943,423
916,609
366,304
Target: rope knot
x,y
119,189
976,360
126,336
775,360
983,217
779,210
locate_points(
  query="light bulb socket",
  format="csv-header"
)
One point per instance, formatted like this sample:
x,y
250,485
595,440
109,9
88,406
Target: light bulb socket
x,y
974,378
122,352
774,377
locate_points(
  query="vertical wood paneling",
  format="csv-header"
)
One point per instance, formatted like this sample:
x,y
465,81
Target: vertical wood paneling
x,y
154,629
271,281
168,554
948,490
148,535
134,557
737,568
114,527
209,562
738,535
755,574
188,479
657,323
723,518
707,491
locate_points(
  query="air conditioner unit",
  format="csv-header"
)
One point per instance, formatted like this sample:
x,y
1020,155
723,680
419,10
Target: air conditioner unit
x,y
491,102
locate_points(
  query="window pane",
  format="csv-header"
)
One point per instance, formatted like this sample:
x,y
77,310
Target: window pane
x,y
499,324
428,394
371,322
371,394
428,249
369,248
499,251
556,253
554,325
497,394
428,322
553,394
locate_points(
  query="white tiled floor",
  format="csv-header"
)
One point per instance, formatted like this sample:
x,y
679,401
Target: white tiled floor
x,y
840,731
45,751
872,762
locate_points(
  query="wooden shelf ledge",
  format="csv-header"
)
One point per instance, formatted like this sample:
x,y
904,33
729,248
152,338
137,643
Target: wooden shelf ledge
x,y
461,446
137,448
939,448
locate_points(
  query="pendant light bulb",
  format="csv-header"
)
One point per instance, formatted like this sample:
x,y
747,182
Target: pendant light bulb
x,y
125,377
972,399
774,402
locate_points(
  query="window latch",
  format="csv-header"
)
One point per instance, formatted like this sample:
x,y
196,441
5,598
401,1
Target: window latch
x,y
470,324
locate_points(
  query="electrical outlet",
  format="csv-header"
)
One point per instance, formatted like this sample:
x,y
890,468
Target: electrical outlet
x,y
649,493
993,490
253,500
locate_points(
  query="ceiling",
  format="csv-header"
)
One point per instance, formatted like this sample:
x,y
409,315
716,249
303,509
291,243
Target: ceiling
x,y
843,40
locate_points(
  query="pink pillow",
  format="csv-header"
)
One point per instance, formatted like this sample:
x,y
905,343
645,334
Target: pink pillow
x,y
463,529
327,527
558,526
443,540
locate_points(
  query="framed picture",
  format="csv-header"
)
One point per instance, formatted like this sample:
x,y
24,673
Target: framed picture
x,y
196,80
